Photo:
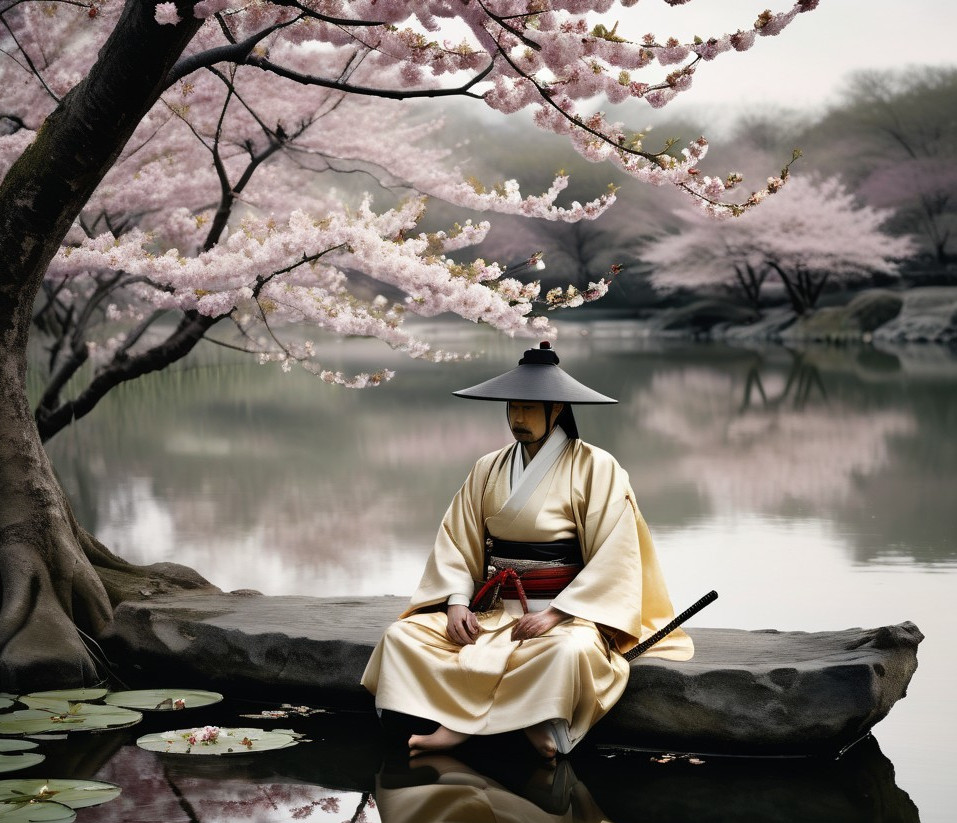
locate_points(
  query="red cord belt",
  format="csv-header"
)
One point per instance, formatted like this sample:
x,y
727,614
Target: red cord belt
x,y
543,583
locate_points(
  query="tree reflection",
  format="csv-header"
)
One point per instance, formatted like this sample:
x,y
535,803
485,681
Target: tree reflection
x,y
169,789
269,481
785,445
802,379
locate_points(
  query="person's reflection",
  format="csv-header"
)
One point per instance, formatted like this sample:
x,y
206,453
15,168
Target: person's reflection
x,y
442,789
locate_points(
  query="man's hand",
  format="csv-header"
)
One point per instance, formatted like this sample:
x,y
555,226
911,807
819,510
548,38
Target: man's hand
x,y
463,628
535,624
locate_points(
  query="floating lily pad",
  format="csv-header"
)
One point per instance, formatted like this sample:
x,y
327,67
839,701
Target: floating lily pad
x,y
70,695
212,740
27,812
47,715
5,703
48,704
15,745
162,700
16,754
72,794
23,760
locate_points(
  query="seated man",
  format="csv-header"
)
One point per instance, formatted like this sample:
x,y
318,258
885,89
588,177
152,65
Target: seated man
x,y
547,534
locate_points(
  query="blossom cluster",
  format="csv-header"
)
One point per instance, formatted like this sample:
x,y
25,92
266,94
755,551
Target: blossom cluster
x,y
217,206
205,736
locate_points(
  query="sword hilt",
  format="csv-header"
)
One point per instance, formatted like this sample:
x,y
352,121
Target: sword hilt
x,y
642,647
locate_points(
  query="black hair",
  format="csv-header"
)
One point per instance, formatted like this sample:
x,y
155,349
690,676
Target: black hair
x,y
565,419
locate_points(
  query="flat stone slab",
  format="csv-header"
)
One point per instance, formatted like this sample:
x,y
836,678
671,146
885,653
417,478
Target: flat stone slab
x,y
744,692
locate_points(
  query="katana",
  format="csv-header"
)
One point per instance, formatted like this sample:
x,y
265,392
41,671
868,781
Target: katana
x,y
642,647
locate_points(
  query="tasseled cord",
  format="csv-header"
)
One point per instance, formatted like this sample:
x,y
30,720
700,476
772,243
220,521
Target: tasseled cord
x,y
498,579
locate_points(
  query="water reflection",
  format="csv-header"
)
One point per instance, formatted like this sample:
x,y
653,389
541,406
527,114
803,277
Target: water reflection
x,y
813,488
276,482
858,788
443,788
347,772
782,448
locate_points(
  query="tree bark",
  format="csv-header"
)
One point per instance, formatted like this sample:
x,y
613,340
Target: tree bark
x,y
50,592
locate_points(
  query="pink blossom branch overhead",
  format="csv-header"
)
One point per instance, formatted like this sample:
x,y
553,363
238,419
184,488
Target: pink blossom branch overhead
x,y
219,207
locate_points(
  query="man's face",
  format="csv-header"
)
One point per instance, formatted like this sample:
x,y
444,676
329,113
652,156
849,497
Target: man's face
x,y
526,418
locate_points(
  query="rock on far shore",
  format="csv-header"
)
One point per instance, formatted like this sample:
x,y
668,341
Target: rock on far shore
x,y
928,315
918,315
744,692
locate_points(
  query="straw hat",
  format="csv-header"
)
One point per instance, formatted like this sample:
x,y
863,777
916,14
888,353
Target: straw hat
x,y
537,377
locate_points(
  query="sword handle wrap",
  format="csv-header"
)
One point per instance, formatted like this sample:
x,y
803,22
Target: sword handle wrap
x,y
642,647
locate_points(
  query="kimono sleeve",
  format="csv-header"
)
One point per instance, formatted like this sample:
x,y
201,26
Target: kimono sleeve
x,y
455,563
621,587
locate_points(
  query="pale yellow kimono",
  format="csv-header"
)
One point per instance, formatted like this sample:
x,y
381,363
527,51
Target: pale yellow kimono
x,y
575,672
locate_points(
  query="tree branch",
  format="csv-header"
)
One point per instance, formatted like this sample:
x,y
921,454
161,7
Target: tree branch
x,y
134,336
391,94
180,342
522,38
33,69
796,302
233,53
325,18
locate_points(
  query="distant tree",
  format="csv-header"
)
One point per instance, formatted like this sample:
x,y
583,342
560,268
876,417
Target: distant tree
x,y
810,234
894,139
765,133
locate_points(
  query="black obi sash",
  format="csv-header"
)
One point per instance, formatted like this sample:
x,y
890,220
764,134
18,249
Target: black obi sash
x,y
518,570
568,552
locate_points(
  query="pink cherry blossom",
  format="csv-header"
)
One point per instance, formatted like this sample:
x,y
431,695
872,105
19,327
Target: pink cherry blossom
x,y
166,14
814,227
220,208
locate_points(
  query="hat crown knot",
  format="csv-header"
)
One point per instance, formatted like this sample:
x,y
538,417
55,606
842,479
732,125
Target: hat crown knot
x,y
545,356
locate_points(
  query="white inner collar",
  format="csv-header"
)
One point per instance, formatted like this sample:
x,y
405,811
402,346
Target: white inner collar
x,y
525,479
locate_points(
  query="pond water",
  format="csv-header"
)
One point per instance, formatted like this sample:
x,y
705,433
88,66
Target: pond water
x,y
813,488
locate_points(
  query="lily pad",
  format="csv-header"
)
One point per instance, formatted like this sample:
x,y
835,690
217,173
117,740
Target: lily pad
x,y
15,745
27,812
162,700
61,716
75,794
212,740
21,758
5,703
70,695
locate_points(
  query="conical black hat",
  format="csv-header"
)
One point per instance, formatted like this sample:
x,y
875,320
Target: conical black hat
x,y
538,377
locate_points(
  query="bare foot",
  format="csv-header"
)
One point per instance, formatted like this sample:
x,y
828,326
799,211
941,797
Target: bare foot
x,y
541,739
440,740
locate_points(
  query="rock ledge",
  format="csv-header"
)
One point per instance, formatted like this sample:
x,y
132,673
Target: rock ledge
x,y
744,692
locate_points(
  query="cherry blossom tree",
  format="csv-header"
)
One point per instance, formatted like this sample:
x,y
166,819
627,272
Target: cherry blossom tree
x,y
894,139
158,160
809,235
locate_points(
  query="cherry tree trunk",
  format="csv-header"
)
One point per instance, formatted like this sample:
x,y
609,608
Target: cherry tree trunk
x,y
48,587
50,592
58,584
